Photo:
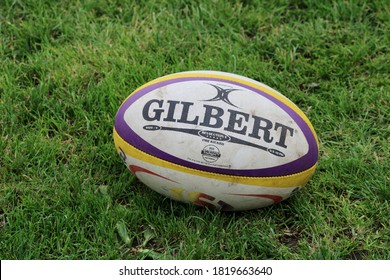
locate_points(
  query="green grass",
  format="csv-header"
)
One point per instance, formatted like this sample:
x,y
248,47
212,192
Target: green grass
x,y
66,66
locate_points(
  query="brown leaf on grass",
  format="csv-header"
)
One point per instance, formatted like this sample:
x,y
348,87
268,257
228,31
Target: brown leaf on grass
x,y
289,237
309,87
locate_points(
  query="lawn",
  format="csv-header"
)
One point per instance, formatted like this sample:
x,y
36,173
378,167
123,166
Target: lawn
x,y
66,66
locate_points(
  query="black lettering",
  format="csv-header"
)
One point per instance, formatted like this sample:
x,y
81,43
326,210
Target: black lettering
x,y
184,114
237,122
283,134
267,125
157,112
171,111
208,115
236,119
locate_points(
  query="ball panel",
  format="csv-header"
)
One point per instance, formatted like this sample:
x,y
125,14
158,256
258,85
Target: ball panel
x,y
206,144
295,166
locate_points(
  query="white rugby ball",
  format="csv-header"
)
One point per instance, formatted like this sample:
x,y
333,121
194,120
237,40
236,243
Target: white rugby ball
x,y
216,139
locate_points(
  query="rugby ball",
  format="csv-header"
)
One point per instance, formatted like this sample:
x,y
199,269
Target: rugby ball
x,y
216,139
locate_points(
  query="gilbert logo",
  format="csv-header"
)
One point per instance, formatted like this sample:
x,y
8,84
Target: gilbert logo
x,y
217,122
223,95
